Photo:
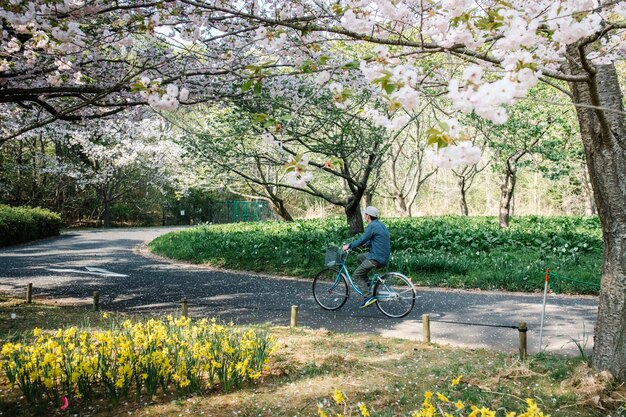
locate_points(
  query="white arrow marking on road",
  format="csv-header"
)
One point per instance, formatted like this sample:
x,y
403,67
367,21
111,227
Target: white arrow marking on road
x,y
89,271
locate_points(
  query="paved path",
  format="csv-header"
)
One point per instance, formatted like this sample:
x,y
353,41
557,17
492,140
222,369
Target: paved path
x,y
69,268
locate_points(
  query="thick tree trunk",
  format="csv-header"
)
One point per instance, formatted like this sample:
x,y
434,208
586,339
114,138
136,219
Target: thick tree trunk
x,y
279,207
506,196
604,137
355,220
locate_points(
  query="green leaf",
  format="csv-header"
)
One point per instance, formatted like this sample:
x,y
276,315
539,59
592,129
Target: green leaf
x,y
257,87
253,68
307,66
337,9
389,87
247,85
259,117
351,65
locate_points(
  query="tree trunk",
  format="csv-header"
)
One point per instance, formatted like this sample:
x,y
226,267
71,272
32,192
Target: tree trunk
x,y
464,209
106,214
506,195
400,204
355,220
604,139
279,207
106,207
488,202
590,204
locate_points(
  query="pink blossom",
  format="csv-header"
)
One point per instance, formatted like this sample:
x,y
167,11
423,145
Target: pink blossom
x,y
64,403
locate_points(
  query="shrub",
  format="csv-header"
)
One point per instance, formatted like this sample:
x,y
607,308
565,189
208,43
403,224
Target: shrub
x,y
23,224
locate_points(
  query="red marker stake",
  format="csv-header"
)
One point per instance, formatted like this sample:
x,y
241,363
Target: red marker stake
x,y
543,313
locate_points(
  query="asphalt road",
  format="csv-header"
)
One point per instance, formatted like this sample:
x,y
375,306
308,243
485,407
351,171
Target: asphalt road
x,y
70,267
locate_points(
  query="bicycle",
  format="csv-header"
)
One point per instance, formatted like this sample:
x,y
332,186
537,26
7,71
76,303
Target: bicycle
x,y
394,292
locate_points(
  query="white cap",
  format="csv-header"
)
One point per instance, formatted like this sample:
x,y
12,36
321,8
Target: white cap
x,y
371,210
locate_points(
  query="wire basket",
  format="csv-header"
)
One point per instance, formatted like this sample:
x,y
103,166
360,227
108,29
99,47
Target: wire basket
x,y
334,257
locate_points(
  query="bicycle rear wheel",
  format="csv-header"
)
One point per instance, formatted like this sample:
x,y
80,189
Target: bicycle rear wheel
x,y
330,289
395,295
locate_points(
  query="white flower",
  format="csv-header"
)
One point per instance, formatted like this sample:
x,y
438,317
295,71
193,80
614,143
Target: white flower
x,y
13,46
13,316
451,156
322,77
381,51
399,122
172,90
296,179
406,96
54,79
335,88
62,65
454,127
184,94
260,33
473,73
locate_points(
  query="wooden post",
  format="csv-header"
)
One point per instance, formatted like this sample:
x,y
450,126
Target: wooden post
x,y
29,293
523,329
96,301
426,327
184,308
294,316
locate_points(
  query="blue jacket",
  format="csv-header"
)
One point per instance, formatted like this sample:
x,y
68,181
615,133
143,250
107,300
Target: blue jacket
x,y
375,237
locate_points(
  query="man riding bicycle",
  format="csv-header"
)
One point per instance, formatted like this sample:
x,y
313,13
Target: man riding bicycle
x,y
376,238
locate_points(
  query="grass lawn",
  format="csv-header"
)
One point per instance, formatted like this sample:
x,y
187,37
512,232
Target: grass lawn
x,y
454,252
389,375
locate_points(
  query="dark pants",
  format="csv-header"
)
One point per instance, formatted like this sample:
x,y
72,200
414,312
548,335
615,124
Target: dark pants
x,y
365,266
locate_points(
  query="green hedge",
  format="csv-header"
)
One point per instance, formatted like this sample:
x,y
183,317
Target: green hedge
x,y
459,252
23,224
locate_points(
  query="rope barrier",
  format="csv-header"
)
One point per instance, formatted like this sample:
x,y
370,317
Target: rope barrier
x,y
555,276
478,324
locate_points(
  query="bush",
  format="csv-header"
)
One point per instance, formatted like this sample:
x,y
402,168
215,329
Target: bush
x,y
23,224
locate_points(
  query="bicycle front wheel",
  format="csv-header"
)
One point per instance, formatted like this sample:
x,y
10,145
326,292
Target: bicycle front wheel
x,y
330,289
395,295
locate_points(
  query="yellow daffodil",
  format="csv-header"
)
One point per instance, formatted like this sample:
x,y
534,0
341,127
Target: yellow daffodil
x,y
338,397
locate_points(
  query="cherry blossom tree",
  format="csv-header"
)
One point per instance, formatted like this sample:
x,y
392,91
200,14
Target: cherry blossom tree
x,y
342,146
125,54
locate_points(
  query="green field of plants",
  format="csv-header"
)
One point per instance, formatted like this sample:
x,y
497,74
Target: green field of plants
x,y
456,252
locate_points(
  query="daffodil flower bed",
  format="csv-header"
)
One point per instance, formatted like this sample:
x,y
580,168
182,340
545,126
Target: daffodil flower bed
x,y
434,405
143,357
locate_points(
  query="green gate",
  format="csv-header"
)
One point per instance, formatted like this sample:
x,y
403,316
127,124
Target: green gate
x,y
247,211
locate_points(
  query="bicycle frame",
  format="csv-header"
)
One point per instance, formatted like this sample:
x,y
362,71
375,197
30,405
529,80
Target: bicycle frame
x,y
344,269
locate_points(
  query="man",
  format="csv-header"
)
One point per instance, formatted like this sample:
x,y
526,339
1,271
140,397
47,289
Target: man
x,y
376,238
